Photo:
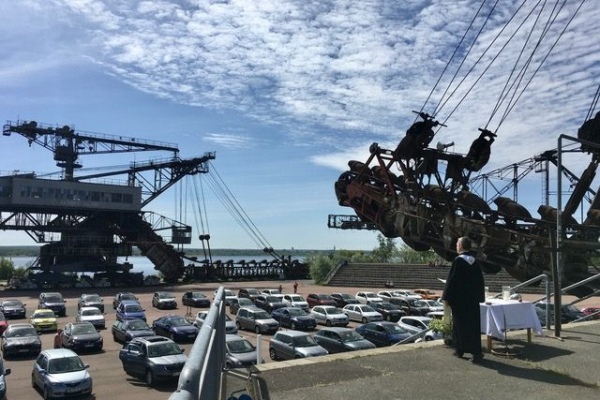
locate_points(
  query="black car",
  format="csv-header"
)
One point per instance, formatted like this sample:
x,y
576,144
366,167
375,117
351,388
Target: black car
x,y
568,312
53,301
153,358
119,297
341,299
13,308
195,299
79,336
91,300
124,331
21,339
175,327
294,318
269,302
411,306
389,311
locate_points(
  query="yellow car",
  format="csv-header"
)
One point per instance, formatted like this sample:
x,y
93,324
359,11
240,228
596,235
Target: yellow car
x,y
43,320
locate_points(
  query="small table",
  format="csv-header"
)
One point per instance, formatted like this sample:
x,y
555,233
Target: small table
x,y
498,316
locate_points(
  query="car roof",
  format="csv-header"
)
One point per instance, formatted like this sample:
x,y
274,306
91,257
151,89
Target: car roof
x,y
231,337
336,329
39,310
89,308
151,339
129,302
292,333
59,353
19,325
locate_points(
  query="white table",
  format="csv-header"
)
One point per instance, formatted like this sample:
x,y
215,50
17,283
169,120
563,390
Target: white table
x,y
498,316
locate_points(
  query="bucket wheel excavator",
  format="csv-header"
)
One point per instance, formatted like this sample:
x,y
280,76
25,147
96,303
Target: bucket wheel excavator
x,y
96,221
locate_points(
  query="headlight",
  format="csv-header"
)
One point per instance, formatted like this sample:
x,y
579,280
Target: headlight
x,y
2,384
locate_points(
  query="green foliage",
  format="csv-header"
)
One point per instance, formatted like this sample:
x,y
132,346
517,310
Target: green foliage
x,y
407,255
386,252
437,325
19,272
7,268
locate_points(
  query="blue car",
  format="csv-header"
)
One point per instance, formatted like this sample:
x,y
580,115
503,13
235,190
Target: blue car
x,y
383,333
130,309
294,318
175,327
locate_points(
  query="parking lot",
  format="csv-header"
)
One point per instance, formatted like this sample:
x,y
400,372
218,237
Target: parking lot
x,y
106,370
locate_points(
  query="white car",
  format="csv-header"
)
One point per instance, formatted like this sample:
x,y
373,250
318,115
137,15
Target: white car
x,y
407,294
434,305
368,297
295,300
417,324
387,294
362,313
329,315
92,315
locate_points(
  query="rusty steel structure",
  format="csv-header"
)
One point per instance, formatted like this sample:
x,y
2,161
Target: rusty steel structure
x,y
429,205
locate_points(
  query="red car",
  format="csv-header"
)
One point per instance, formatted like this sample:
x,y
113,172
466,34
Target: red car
x,y
317,299
592,310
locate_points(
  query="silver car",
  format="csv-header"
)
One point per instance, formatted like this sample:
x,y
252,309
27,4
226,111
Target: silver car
x,y
329,315
92,315
255,319
239,352
288,345
230,327
362,313
61,373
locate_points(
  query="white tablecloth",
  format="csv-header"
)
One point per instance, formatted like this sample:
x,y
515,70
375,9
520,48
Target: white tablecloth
x,y
502,315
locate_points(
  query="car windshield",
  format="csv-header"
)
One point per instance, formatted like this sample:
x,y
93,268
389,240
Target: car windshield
x,y
273,299
253,291
228,293
366,308
350,336
21,332
64,365
94,298
127,296
163,349
418,303
53,299
44,314
371,295
304,341
133,308
333,310
240,346
178,321
395,329
165,295
83,329
296,298
93,311
262,315
137,325
198,295
12,303
245,302
388,306
296,312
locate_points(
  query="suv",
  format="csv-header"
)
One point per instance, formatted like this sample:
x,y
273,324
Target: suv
x,y
53,301
287,345
153,358
91,300
255,319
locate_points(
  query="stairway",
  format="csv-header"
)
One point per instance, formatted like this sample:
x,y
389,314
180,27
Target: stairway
x,y
412,276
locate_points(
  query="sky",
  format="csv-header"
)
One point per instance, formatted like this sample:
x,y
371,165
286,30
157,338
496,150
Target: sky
x,y
286,92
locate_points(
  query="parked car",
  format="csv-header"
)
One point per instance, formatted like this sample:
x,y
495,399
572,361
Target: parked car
x,y
79,336
288,345
389,294
230,327
434,305
269,302
427,294
329,315
383,333
21,339
43,320
319,299
91,300
125,331
164,300
361,313
405,293
417,324
249,293
120,296
338,339
294,318
271,291
53,301
411,306
153,358
229,296
92,315
3,323
237,303
13,308
568,312
368,298
60,373
195,299
3,373
389,311
592,312
255,319
342,299
295,300
130,309
175,327
239,352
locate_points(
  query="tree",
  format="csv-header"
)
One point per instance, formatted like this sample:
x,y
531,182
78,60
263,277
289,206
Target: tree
x,y
386,252
7,268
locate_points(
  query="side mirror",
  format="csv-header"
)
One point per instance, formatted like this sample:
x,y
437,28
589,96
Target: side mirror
x,y
7,371
181,350
86,366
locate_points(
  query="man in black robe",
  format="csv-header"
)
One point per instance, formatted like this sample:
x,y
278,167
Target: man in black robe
x,y
463,292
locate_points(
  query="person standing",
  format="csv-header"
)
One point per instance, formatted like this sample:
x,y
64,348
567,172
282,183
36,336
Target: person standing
x,y
295,286
463,292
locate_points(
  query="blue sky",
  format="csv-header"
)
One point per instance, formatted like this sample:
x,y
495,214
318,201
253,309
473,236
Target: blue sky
x,y
285,92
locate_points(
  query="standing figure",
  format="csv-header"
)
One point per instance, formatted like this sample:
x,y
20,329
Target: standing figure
x,y
58,339
280,288
295,286
463,292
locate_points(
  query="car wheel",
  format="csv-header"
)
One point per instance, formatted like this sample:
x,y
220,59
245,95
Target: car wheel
x,y
428,338
364,320
273,355
328,322
227,366
46,393
115,338
149,377
33,382
257,329
238,325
